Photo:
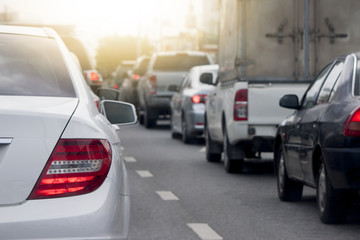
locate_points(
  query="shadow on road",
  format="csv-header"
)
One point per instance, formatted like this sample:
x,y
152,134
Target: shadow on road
x,y
265,167
252,168
160,125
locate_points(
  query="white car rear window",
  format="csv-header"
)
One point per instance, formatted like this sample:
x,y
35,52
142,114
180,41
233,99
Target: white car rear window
x,y
33,66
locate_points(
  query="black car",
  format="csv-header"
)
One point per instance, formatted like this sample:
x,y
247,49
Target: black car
x,y
91,75
128,88
319,144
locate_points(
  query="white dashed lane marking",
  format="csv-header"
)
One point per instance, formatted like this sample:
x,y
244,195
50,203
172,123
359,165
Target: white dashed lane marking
x,y
129,159
202,149
204,231
144,174
167,195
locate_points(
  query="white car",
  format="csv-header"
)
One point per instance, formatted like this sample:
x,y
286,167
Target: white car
x,y
62,174
188,104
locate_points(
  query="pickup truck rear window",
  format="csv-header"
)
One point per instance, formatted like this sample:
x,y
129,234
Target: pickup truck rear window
x,y
33,66
179,62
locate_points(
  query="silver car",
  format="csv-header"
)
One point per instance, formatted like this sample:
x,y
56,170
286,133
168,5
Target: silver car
x,y
188,104
62,174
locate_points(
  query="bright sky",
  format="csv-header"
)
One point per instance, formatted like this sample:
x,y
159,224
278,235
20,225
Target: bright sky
x,y
124,17
98,18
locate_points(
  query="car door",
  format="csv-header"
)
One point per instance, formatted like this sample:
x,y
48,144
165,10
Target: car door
x,y
292,143
177,103
211,108
311,116
293,150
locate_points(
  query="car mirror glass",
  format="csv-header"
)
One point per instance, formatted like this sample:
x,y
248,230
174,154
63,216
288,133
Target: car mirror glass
x,y
290,101
108,94
119,113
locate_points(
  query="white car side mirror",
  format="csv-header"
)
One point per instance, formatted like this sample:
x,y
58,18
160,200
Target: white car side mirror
x,y
118,113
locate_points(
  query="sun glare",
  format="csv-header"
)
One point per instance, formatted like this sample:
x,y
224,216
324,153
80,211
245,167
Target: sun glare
x,y
124,17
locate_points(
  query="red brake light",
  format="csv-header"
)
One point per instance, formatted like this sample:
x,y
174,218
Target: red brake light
x,y
241,105
152,80
76,166
94,76
199,98
136,77
352,124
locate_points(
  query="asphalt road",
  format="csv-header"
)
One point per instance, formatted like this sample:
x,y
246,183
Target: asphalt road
x,y
207,203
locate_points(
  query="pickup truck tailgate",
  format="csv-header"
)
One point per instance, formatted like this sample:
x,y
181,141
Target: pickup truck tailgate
x,y
263,101
165,79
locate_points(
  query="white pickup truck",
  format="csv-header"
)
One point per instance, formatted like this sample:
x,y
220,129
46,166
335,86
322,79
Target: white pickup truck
x,y
242,117
267,49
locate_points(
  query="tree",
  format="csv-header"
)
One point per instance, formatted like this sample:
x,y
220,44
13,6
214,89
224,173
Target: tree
x,y
114,49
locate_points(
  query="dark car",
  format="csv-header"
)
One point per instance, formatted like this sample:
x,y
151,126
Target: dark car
x,y
165,69
121,73
91,75
319,144
128,88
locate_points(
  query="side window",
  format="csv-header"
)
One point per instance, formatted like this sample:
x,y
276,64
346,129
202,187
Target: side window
x,y
342,82
329,83
357,79
336,85
312,92
184,83
189,82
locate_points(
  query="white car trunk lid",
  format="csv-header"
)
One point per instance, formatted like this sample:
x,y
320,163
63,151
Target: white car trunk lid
x,y
29,130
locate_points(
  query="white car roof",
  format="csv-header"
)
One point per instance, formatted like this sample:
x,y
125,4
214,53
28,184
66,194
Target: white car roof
x,y
212,67
34,31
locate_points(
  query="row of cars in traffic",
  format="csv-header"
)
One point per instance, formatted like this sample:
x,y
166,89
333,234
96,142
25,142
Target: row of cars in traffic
x,y
153,80
315,140
62,174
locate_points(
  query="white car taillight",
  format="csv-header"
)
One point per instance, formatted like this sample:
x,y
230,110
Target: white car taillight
x,y
241,105
199,98
76,166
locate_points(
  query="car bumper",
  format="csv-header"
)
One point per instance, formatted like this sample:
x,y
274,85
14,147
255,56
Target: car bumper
x,y
195,121
343,167
102,214
260,137
158,105
159,102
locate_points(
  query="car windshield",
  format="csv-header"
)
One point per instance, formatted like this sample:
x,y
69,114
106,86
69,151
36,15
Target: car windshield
x,y
141,66
179,62
33,66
